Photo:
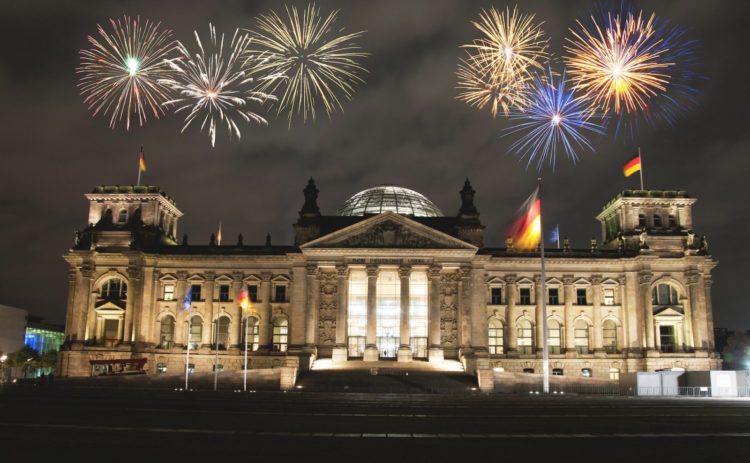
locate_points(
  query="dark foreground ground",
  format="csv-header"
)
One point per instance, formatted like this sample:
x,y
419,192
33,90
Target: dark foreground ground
x,y
58,423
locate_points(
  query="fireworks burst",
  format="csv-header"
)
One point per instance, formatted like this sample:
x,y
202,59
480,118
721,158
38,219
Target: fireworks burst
x,y
121,72
213,86
555,118
499,66
315,62
621,64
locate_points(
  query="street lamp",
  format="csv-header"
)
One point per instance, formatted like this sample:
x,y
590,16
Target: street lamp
x,y
3,358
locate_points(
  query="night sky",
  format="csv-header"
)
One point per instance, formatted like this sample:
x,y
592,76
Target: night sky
x,y
404,126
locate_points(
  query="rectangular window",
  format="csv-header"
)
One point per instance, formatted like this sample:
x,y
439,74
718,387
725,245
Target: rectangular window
x,y
169,292
280,293
357,312
525,298
388,310
253,291
496,296
195,292
609,296
667,338
581,296
418,309
554,296
224,293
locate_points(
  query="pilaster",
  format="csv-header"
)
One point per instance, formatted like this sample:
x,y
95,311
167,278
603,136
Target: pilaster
x,y
371,349
313,288
435,353
404,349
510,320
340,352
265,338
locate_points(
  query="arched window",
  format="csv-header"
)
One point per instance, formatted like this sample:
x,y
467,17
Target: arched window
x,y
582,337
114,289
280,334
495,341
664,294
525,344
609,336
252,337
166,332
196,331
642,220
553,337
123,216
222,333
657,220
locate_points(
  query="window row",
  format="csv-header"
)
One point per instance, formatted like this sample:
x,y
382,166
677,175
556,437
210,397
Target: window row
x,y
525,337
554,296
280,333
657,221
279,293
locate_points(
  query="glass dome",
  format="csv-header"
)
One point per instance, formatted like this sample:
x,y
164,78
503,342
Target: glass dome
x,y
389,198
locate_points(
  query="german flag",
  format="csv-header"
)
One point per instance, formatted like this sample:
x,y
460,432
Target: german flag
x,y
526,231
632,166
142,161
243,298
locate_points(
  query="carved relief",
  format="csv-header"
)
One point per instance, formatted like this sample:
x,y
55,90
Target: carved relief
x,y
327,308
449,309
389,234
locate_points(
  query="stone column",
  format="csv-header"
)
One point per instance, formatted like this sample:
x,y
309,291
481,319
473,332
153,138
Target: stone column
x,y
633,316
340,351
435,353
84,329
596,309
404,349
371,349
510,320
687,308
697,316
464,309
70,320
570,332
235,335
707,283
208,296
312,307
644,280
133,303
479,312
265,327
539,296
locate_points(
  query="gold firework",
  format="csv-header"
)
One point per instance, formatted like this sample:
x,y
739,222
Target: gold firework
x,y
498,66
618,66
313,62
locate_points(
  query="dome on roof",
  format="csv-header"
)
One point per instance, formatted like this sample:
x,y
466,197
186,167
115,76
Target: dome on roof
x,y
389,198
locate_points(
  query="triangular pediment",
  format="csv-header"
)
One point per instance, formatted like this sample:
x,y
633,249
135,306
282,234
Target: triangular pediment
x,y
667,312
388,231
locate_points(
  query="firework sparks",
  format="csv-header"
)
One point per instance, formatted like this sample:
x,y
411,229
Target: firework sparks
x,y
622,64
555,119
213,86
121,72
315,63
499,66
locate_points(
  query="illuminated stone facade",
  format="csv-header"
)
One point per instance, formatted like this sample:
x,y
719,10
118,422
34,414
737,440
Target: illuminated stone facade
x,y
405,284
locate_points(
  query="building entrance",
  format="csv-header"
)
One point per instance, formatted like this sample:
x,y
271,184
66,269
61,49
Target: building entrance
x,y
387,346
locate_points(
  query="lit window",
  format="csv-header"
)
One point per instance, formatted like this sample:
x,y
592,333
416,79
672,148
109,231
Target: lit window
x,y
609,336
525,298
525,341
664,294
222,333
166,332
614,374
554,343
581,296
357,312
169,292
224,293
667,338
609,296
582,337
495,341
554,296
280,334
496,296
195,292
161,367
418,312
252,337
586,372
557,372
123,217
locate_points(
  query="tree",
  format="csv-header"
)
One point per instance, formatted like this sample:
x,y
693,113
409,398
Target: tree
x,y
737,352
48,360
24,358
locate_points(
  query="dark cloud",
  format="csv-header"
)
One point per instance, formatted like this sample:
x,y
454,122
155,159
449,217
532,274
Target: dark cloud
x,y
404,126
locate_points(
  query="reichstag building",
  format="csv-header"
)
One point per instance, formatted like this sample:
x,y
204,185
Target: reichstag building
x,y
389,276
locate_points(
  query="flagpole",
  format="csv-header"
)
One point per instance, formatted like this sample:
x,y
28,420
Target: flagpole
x,y
640,159
187,353
558,236
139,167
244,379
545,348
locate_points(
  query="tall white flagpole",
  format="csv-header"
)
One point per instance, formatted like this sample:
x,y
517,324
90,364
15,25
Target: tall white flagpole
x,y
216,360
545,347
187,353
640,171
244,379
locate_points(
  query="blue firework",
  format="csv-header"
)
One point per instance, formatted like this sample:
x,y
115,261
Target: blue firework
x,y
556,119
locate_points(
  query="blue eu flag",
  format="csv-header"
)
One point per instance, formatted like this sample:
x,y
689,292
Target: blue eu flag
x,y
187,301
554,235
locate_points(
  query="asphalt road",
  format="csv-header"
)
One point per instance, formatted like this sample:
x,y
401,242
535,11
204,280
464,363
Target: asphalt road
x,y
52,423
